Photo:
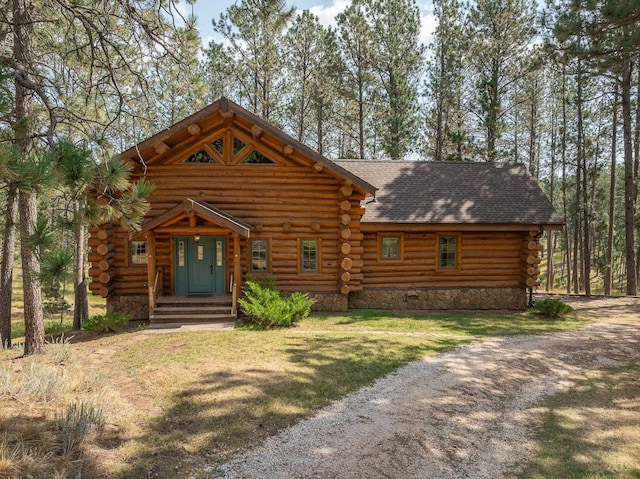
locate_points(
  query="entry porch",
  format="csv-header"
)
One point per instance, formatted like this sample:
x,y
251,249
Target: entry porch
x,y
193,262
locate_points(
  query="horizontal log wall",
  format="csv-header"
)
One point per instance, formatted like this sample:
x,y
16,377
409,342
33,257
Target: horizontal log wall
x,y
282,203
491,259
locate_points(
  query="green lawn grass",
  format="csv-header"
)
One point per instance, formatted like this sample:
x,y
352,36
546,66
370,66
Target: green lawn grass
x,y
186,400
591,431
223,391
53,323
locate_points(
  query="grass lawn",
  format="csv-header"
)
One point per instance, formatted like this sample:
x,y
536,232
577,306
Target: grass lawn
x,y
53,323
183,401
591,431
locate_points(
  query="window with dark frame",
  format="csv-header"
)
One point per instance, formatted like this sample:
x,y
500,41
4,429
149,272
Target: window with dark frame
x,y
138,252
447,252
309,255
259,256
390,247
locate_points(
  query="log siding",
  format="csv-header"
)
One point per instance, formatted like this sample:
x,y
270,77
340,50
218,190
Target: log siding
x,y
282,203
347,207
485,259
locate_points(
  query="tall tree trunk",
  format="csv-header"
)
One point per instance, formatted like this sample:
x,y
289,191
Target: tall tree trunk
x,y
81,302
6,268
636,168
320,129
552,175
582,160
493,112
565,205
533,113
440,108
33,320
608,273
629,190
27,200
577,240
361,116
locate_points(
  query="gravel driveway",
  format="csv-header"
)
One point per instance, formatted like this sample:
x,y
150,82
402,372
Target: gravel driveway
x,y
462,414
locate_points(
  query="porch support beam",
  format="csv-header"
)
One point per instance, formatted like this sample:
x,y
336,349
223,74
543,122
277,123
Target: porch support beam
x,y
237,273
151,269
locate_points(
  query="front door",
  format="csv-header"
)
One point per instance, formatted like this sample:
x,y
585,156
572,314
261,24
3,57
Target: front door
x,y
200,265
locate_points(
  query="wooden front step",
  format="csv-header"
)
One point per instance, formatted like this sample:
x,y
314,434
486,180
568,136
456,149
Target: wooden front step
x,y
193,309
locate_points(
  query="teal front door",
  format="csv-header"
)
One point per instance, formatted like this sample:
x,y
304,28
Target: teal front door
x,y
200,265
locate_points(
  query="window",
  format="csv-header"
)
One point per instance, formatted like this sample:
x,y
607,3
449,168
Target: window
x,y
237,145
390,247
259,256
218,145
309,255
199,157
255,157
447,252
138,252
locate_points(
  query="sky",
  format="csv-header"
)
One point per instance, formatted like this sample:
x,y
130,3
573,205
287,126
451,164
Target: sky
x,y
326,10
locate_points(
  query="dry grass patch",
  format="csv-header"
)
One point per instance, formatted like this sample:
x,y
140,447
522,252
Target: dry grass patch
x,y
591,431
51,407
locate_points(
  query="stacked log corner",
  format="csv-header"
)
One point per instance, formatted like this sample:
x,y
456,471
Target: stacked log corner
x,y
101,257
531,259
350,277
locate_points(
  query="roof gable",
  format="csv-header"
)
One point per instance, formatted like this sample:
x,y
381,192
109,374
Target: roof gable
x,y
200,209
453,193
233,124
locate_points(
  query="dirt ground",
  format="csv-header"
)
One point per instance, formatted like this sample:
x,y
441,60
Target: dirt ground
x,y
467,413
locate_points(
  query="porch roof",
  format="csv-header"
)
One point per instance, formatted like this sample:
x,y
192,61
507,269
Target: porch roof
x,y
199,208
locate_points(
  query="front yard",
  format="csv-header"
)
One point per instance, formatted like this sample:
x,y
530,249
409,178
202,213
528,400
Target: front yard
x,y
176,405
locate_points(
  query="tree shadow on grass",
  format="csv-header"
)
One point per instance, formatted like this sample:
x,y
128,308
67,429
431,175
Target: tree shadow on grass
x,y
467,323
591,430
33,446
224,412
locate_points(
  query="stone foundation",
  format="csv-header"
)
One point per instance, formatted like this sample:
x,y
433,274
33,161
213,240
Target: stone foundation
x,y
430,299
329,302
406,299
137,307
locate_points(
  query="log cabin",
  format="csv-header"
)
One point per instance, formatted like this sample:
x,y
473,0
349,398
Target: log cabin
x,y
235,197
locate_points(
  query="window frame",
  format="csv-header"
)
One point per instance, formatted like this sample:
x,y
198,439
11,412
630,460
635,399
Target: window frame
x,y
131,250
267,252
318,269
381,238
456,267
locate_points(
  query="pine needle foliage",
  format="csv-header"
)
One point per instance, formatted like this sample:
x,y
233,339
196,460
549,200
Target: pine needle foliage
x,y
266,307
552,308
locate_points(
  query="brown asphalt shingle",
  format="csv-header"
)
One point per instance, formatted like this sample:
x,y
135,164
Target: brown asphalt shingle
x,y
452,192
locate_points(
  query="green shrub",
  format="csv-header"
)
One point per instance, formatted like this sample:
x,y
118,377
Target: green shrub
x,y
551,308
266,307
106,323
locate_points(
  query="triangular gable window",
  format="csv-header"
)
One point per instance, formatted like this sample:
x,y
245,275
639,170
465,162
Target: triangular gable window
x,y
199,157
218,145
255,157
238,145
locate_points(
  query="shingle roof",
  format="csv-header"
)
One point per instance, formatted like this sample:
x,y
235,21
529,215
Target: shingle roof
x,y
452,192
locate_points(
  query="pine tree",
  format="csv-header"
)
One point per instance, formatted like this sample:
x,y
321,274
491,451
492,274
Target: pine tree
x,y
314,74
446,129
254,30
397,63
501,31
79,63
605,35
356,42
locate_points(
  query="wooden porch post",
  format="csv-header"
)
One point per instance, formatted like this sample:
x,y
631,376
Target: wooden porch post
x,y
237,273
151,269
